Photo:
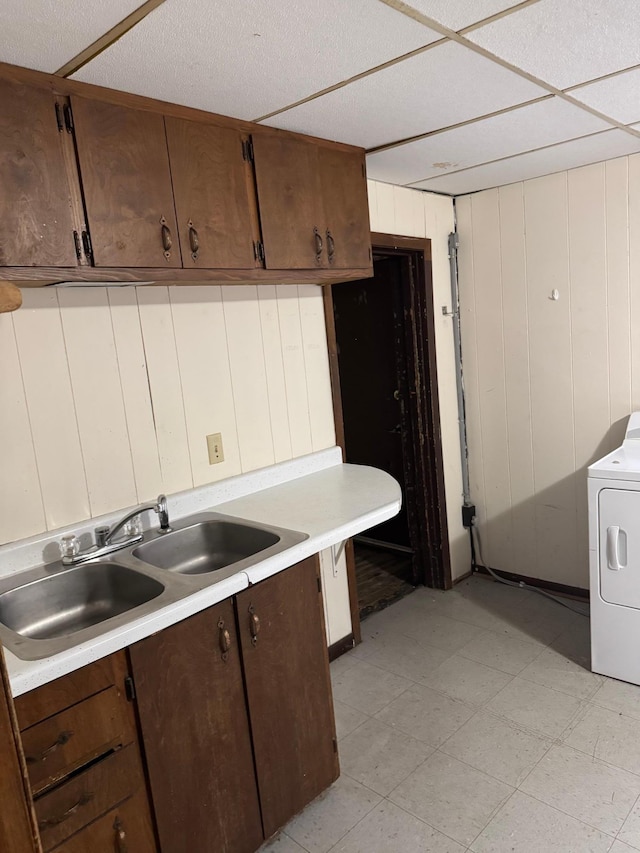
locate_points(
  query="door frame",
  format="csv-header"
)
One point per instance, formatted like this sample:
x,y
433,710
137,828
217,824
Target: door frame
x,y
424,412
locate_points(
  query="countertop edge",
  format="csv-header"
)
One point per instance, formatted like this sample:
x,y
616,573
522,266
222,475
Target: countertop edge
x,y
27,675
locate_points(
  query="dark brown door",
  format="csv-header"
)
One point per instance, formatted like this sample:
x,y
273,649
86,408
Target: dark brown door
x,y
124,167
215,214
284,651
346,208
370,335
290,200
36,226
18,830
196,735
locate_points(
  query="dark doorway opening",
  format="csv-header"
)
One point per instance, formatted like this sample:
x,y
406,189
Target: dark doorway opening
x,y
382,350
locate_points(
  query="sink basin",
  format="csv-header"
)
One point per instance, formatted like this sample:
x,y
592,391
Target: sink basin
x,y
206,546
66,602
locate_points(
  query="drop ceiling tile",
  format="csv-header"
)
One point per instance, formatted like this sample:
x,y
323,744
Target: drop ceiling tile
x,y
566,42
618,97
45,34
444,85
567,155
462,13
248,59
523,129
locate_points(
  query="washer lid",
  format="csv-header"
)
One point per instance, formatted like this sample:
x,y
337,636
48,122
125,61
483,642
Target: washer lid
x,y
623,463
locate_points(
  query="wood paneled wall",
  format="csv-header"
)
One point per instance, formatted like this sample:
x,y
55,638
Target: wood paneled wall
x,y
107,394
549,383
413,213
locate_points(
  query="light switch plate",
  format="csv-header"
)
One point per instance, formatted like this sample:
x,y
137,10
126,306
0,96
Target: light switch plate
x,y
214,446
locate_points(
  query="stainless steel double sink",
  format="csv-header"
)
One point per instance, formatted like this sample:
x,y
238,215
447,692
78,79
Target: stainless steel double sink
x,y
48,609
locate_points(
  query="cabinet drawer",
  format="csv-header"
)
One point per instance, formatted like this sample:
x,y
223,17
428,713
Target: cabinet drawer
x,y
125,829
66,741
74,804
64,692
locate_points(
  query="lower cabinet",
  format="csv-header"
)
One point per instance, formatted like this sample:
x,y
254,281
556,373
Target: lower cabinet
x,y
196,735
87,784
238,726
286,668
232,736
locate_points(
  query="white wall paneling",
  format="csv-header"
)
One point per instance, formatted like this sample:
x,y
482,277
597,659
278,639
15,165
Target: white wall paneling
x,y
294,369
398,210
550,383
316,361
51,406
97,392
248,376
205,378
107,395
132,364
21,506
165,387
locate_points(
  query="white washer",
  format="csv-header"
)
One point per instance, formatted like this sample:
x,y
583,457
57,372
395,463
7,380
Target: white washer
x,y
614,559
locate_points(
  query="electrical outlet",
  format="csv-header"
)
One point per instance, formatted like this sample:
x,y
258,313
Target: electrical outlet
x,y
214,446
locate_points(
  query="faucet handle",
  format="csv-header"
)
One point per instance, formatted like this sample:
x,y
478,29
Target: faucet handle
x,y
69,545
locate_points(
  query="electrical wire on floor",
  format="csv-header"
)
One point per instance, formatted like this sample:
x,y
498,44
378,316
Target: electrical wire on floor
x,y
476,549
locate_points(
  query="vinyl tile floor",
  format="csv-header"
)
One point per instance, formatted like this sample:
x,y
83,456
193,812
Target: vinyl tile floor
x,y
470,720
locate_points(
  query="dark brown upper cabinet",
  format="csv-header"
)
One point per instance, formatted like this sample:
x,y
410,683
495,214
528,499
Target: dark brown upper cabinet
x,y
214,195
36,224
346,208
290,201
313,204
126,180
98,185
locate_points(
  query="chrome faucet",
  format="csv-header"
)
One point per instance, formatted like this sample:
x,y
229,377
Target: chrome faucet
x,y
105,544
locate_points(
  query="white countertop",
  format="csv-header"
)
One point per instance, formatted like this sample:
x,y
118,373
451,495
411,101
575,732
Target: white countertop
x,y
317,495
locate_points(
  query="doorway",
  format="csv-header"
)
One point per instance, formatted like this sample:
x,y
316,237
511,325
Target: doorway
x,y
382,352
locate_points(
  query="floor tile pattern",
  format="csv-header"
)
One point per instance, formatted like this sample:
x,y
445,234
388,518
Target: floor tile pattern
x,y
470,720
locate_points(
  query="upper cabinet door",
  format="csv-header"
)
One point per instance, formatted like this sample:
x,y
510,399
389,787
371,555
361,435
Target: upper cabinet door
x,y
344,193
217,217
289,196
124,167
36,225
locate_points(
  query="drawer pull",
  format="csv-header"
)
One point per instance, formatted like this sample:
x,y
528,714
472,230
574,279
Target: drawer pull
x,y
62,739
319,245
167,241
224,638
121,836
55,821
331,246
194,243
254,625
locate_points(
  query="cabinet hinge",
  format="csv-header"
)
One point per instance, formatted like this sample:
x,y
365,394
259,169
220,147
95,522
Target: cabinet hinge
x,y
129,688
335,745
319,584
59,118
247,150
68,118
78,245
369,252
258,250
86,245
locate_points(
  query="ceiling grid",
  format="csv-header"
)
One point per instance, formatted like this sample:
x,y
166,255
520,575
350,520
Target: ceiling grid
x,y
446,96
